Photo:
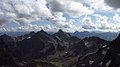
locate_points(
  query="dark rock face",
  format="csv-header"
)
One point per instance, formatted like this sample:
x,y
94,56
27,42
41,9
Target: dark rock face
x,y
38,46
112,58
61,34
78,48
92,59
108,56
6,58
95,53
94,43
60,47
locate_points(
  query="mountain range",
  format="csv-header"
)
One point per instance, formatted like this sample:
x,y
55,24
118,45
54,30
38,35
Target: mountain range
x,y
109,36
61,49
103,35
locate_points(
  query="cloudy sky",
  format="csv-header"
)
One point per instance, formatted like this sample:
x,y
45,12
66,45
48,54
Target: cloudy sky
x,y
51,15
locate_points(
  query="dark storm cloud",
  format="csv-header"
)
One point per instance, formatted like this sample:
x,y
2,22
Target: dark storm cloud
x,y
113,3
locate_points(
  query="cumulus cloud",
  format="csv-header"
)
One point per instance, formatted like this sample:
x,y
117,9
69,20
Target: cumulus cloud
x,y
116,22
97,5
116,18
26,12
101,23
28,27
71,7
113,3
31,27
23,11
87,23
59,21
78,9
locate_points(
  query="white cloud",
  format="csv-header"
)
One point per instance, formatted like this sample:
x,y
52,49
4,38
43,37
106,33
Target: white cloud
x,y
116,22
30,28
98,5
87,23
102,23
77,9
59,21
116,18
23,11
71,7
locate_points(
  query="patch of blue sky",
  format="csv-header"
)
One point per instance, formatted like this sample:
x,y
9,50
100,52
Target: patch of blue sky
x,y
105,13
40,23
66,16
11,25
76,20
86,4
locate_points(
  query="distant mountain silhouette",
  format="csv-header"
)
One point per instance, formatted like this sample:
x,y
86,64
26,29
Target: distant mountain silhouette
x,y
15,34
104,35
109,36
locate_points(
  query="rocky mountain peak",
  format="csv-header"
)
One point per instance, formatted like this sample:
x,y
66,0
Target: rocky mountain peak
x,y
62,34
42,32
